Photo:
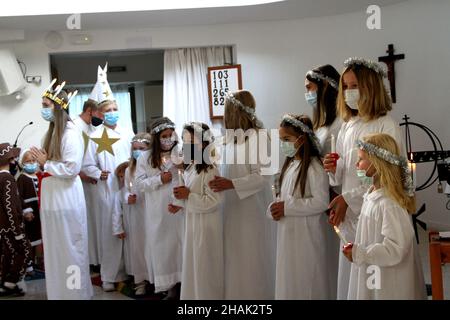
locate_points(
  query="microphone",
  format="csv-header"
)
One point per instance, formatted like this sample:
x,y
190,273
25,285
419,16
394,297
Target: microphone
x,y
17,138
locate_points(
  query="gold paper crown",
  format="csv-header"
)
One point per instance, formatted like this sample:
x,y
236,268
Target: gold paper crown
x,y
53,95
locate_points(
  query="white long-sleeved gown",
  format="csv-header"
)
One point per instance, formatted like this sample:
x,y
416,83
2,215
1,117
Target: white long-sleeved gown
x,y
164,244
385,240
64,223
352,188
202,275
111,247
301,267
249,237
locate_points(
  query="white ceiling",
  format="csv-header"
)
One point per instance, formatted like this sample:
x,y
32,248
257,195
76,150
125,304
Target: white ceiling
x,y
289,9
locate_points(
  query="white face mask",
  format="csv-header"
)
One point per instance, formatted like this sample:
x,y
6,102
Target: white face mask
x,y
352,98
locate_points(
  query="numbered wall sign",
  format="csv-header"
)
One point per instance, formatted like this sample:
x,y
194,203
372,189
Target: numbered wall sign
x,y
221,80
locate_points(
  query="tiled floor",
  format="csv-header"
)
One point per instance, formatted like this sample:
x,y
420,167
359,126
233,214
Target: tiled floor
x,y
36,288
36,291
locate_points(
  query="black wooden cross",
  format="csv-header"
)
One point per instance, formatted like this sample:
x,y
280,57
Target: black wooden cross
x,y
390,62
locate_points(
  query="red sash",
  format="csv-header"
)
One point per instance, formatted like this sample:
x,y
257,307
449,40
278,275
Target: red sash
x,y
41,176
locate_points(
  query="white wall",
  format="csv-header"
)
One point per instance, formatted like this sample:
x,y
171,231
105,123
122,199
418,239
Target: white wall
x,y
276,55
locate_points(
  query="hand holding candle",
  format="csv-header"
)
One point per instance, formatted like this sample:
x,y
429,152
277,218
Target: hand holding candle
x,y
333,149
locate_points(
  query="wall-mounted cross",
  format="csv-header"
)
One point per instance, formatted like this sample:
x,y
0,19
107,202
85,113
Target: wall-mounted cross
x,y
390,60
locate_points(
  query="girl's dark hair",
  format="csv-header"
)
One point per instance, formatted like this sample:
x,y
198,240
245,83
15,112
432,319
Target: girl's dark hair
x,y
155,157
204,166
325,113
307,152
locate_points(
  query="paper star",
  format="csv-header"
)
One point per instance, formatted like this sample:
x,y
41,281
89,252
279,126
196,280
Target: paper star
x,y
105,143
106,93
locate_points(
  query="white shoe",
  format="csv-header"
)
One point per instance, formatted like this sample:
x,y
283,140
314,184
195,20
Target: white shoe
x,y
108,286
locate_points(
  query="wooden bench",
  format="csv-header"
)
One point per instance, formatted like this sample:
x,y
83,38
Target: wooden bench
x,y
439,255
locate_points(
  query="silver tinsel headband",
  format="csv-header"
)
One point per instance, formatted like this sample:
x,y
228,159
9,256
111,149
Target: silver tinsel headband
x,y
250,111
146,141
366,63
322,77
206,135
298,124
392,159
162,127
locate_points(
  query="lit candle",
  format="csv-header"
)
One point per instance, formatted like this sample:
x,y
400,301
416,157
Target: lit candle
x,y
333,144
165,162
130,186
180,178
274,193
341,236
412,168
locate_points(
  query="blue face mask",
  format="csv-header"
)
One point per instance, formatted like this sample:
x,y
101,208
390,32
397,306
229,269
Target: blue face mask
x,y
111,118
47,114
30,167
311,98
289,149
362,175
137,154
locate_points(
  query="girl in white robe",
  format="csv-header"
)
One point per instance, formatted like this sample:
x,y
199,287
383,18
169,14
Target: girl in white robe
x,y
249,237
133,217
385,264
156,176
202,275
322,84
101,166
301,269
360,86
62,207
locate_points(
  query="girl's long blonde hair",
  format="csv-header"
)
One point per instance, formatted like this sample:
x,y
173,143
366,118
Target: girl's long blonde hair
x,y
374,101
56,128
391,176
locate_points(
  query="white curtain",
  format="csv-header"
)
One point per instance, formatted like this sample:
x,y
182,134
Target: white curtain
x,y
185,82
121,95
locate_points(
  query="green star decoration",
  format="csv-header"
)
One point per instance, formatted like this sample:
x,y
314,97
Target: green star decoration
x,y
105,143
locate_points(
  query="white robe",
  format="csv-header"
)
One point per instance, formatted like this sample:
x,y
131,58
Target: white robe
x,y
249,237
111,253
385,239
64,225
333,242
130,219
301,269
164,244
93,221
202,275
352,188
